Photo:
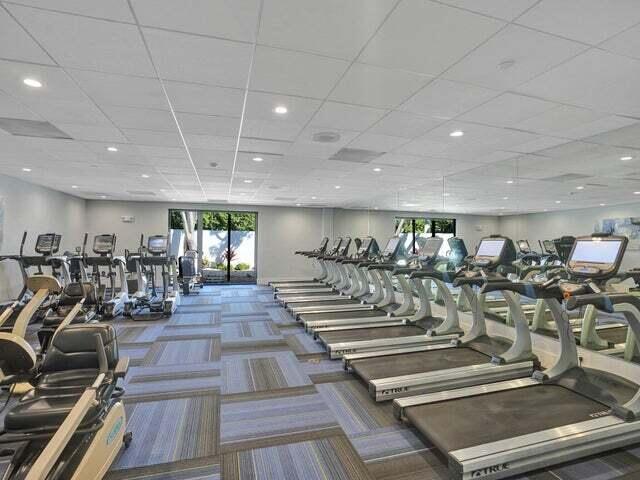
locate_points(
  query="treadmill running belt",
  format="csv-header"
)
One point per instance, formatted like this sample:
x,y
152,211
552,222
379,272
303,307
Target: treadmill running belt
x,y
375,333
323,303
418,362
471,421
614,335
311,317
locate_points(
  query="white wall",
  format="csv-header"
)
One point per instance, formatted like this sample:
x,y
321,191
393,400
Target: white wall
x,y
541,226
37,210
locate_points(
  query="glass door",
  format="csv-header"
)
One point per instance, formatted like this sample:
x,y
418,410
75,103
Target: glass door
x,y
227,241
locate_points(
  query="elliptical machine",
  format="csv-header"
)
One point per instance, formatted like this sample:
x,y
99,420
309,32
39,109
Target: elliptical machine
x,y
188,275
111,300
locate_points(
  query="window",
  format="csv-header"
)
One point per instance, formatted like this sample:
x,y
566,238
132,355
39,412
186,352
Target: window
x,y
411,230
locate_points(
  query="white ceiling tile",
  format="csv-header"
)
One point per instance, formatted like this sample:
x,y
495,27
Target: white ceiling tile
x,y
11,108
16,44
235,20
305,146
538,144
423,147
595,79
252,145
56,84
508,109
403,124
504,9
625,43
624,137
121,90
271,129
590,21
377,142
427,37
98,133
210,142
159,139
87,43
531,52
376,86
260,106
208,125
295,73
113,9
62,111
191,58
447,99
325,27
205,99
141,118
344,116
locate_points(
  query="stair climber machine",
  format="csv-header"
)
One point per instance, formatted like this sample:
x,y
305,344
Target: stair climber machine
x,y
338,281
321,250
324,281
559,414
354,284
147,262
70,424
189,277
113,296
408,327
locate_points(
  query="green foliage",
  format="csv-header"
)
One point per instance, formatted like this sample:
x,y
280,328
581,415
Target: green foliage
x,y
206,261
242,266
240,221
221,266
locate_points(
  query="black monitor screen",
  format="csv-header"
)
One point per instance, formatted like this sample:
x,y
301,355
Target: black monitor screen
x,y
392,244
490,248
103,243
603,252
157,244
48,243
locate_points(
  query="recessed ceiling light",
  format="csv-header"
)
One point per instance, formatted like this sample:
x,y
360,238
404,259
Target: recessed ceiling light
x,y
258,159
456,133
546,210
410,204
74,186
580,187
173,199
558,201
337,187
636,193
112,149
375,208
377,169
313,198
297,204
103,196
505,198
25,169
32,82
446,194
280,110
602,204
509,182
626,159
144,175
248,181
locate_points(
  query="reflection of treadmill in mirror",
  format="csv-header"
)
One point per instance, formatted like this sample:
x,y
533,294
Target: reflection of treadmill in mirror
x,y
363,298
320,280
347,285
333,277
384,314
411,330
558,415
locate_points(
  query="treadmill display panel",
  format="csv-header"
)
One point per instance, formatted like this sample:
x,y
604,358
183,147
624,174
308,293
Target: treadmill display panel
x,y
48,243
104,244
364,247
392,245
524,247
596,257
490,248
549,246
431,247
157,244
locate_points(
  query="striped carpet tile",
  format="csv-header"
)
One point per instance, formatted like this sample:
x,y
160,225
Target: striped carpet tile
x,y
281,316
195,378
387,442
138,334
183,352
194,319
300,342
207,468
183,331
171,430
249,331
328,458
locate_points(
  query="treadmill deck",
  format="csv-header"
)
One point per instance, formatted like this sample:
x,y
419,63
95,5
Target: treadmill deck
x,y
312,317
419,362
375,333
472,421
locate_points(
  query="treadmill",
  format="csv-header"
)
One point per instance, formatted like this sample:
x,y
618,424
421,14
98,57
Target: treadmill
x,y
363,299
338,279
474,359
559,414
387,315
306,283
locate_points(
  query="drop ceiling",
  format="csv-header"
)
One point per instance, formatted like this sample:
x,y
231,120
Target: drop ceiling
x,y
545,93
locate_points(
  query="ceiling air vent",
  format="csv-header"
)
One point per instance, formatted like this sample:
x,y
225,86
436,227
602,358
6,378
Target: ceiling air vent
x,y
31,128
567,177
326,137
356,155
141,193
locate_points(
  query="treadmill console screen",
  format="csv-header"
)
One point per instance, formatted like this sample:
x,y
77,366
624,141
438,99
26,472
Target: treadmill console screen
x,y
157,244
336,246
104,244
596,256
392,245
549,246
490,248
431,247
364,246
524,247
48,243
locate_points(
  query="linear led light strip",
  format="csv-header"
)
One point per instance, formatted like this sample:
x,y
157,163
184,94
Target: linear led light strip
x,y
244,100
